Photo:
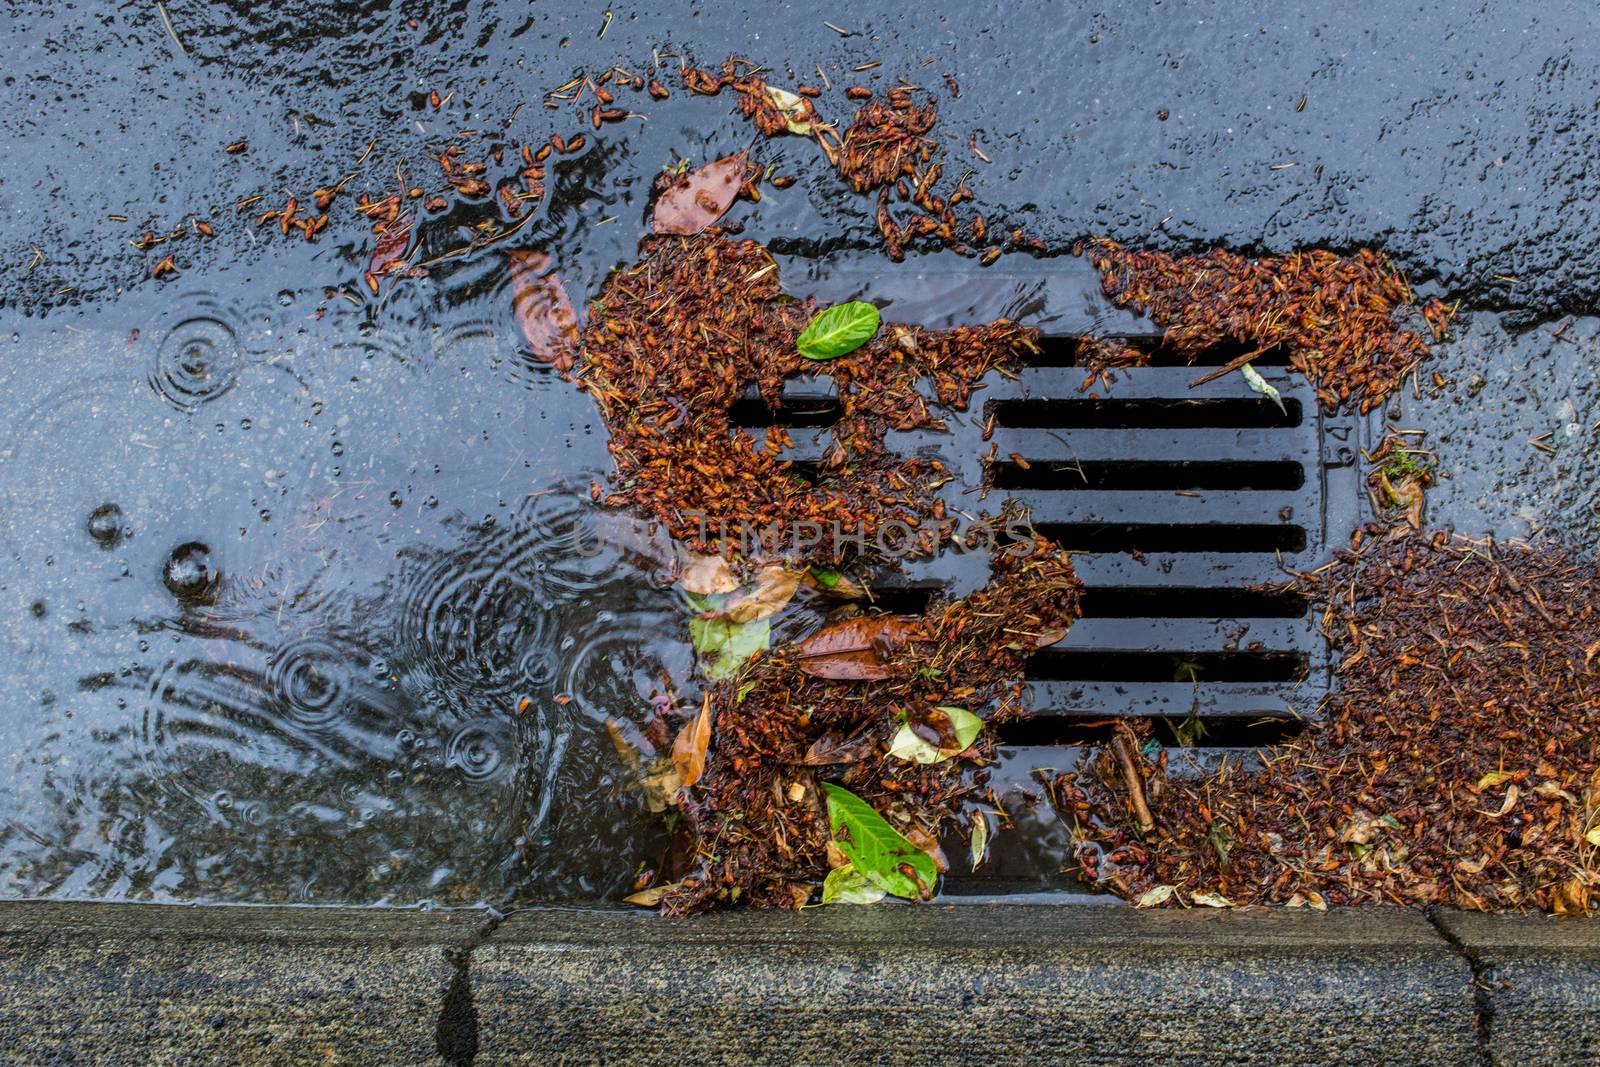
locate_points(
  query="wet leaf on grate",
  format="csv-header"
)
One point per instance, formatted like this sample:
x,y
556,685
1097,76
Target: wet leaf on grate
x,y
543,310
839,330
700,197
1261,385
707,575
857,649
876,849
835,584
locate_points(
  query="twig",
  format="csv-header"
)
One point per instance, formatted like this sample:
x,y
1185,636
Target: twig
x,y
1135,784
167,22
1227,368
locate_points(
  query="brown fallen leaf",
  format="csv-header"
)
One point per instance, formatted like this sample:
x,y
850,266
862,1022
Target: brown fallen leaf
x,y
700,197
774,586
831,749
543,309
856,650
847,588
707,575
929,844
1571,897
390,252
689,750
1409,494
627,751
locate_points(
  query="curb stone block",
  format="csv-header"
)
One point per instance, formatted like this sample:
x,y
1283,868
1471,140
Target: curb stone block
x,y
115,984
974,984
1539,984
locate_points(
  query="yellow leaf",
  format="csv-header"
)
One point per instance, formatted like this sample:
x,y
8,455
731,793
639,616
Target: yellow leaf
x,y
649,898
1159,895
797,110
1494,778
689,750
1210,900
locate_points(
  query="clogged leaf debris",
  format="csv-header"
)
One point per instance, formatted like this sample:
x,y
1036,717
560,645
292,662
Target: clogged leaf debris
x,y
1459,761
677,339
1335,315
754,828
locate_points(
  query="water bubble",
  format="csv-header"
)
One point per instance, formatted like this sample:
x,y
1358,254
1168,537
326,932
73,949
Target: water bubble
x,y
198,360
189,573
107,525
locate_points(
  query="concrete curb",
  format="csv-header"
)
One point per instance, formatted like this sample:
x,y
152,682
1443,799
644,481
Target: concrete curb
x,y
976,983
115,984
1538,984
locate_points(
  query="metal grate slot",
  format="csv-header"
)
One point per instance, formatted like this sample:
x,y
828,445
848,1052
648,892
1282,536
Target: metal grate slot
x,y
1177,475
1059,351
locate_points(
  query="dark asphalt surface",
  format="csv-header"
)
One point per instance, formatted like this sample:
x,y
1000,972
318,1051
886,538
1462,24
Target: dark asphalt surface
x,y
1460,137
391,490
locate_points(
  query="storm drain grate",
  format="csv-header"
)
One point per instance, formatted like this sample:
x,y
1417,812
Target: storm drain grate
x,y
1184,501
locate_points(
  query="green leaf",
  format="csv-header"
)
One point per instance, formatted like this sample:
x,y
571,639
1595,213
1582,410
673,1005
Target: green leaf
x,y
877,849
911,747
1259,384
827,579
724,646
846,885
840,329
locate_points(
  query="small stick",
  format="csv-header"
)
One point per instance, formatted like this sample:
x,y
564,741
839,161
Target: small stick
x,y
167,22
1130,777
1227,368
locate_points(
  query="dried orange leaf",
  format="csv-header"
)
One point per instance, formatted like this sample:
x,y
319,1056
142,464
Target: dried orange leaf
x,y
700,197
543,310
689,750
773,587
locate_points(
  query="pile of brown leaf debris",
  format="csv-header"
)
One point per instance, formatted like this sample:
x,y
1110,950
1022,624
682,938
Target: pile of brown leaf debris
x,y
1458,763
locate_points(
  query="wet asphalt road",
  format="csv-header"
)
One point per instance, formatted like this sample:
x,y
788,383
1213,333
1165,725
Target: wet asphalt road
x,y
389,490
1462,138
